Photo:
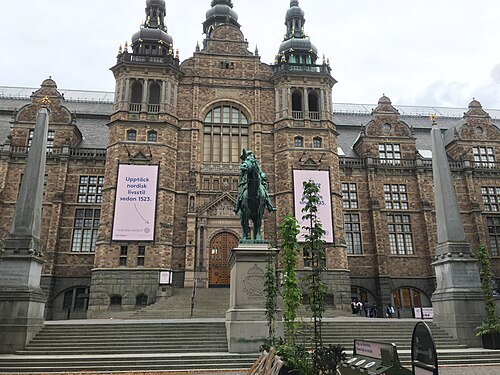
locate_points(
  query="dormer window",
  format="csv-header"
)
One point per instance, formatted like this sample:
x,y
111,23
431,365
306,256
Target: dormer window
x,y
131,135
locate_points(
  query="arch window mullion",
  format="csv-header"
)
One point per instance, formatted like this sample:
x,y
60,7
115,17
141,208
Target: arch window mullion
x,y
225,134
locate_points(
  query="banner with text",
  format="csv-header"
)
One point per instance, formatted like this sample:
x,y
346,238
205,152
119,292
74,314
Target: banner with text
x,y
322,179
135,203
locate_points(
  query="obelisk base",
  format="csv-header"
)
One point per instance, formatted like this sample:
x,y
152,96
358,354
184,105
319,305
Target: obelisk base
x,y
22,301
458,302
246,323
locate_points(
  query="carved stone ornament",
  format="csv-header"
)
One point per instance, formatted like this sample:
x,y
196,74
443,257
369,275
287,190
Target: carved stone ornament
x,y
254,282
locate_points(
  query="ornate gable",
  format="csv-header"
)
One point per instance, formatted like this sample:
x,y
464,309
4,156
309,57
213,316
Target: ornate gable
x,y
222,206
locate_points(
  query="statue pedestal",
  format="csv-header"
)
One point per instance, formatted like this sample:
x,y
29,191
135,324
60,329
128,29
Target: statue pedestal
x,y
458,302
22,301
246,323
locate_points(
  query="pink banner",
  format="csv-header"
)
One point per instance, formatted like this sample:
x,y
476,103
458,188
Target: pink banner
x,y
322,179
135,203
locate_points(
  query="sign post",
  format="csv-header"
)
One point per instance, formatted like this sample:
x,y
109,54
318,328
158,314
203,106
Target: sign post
x,y
423,351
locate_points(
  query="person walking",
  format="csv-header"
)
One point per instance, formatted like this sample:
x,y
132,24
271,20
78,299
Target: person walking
x,y
389,310
366,307
373,312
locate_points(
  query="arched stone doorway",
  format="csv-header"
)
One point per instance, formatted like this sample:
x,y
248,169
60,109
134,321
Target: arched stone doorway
x,y
219,251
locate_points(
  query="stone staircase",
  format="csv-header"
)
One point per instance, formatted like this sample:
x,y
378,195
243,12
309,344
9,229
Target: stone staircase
x,y
209,303
164,337
126,346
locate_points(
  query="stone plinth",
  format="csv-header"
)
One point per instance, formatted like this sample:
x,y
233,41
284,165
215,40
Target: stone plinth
x,y
246,323
22,301
458,302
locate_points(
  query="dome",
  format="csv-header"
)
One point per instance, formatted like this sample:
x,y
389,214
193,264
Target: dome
x,y
384,100
298,44
475,104
161,3
49,82
295,11
221,10
152,35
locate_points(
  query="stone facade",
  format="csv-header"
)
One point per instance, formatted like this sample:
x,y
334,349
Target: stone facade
x,y
290,123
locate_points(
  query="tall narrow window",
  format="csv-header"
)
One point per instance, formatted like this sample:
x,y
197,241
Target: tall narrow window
x,y
494,234
389,153
154,98
136,97
85,226
352,231
400,235
225,134
313,102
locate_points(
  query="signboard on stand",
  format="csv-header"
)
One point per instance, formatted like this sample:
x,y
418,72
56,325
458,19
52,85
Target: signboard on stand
x,y
423,351
322,179
135,203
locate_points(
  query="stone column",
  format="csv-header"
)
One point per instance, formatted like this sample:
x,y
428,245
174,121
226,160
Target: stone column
x,y
246,324
457,301
22,301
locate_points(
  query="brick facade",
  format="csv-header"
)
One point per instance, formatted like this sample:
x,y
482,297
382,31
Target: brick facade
x,y
196,196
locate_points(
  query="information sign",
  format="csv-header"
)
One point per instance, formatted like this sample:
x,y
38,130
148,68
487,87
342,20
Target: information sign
x,y
423,351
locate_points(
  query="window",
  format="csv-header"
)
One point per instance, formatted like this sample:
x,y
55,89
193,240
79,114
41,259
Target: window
x,y
400,236
349,195
396,197
389,153
317,142
122,260
136,96
141,253
484,156
406,298
90,189
115,300
141,300
51,135
494,233
85,228
352,231
131,135
76,299
298,142
152,136
297,101
225,135
491,198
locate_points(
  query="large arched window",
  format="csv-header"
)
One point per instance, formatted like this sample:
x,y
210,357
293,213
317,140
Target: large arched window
x,y
225,134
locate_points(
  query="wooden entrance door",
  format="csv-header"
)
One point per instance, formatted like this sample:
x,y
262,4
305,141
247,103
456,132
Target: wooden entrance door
x,y
219,250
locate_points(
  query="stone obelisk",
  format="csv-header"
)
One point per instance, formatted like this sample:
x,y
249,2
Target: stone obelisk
x,y
22,301
457,300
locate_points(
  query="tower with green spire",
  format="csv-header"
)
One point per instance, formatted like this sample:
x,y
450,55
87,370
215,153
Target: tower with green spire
x,y
303,97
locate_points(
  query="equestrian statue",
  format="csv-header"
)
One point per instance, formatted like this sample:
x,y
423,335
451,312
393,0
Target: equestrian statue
x,y
253,197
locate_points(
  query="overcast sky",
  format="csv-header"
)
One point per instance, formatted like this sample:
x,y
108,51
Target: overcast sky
x,y
420,52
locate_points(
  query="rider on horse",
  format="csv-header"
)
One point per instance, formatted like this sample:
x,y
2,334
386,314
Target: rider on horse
x,y
248,157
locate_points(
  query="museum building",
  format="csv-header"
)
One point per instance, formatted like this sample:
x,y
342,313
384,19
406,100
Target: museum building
x,y
140,185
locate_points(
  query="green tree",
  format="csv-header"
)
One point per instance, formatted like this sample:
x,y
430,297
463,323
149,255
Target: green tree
x,y
315,243
491,324
271,289
291,293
